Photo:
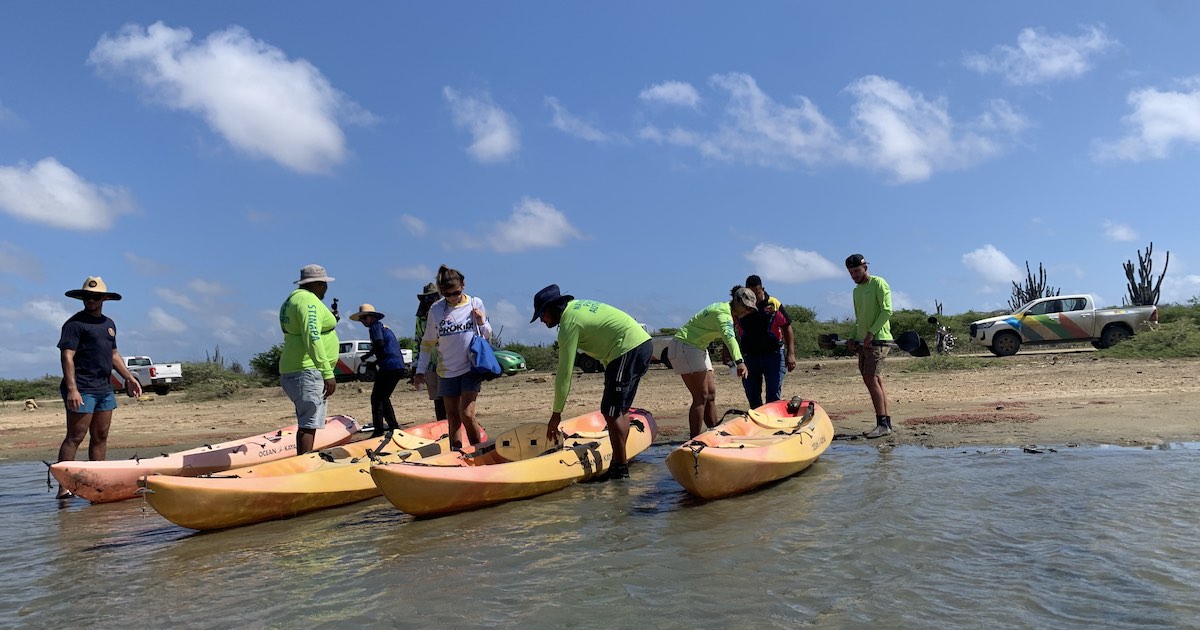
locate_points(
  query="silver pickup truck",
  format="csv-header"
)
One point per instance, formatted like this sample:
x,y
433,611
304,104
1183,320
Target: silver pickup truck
x,y
1061,318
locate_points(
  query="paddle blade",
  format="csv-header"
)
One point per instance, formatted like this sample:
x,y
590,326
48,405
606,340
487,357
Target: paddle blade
x,y
913,344
827,342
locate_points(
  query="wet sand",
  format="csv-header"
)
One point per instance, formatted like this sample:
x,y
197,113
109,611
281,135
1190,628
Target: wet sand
x,y
1026,400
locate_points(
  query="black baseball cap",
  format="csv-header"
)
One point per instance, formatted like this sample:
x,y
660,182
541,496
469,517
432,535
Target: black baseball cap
x,y
855,260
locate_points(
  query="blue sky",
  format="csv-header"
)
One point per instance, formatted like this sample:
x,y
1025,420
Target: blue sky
x,y
649,155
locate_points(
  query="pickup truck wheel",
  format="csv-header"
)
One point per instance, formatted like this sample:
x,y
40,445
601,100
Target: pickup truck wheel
x,y
162,390
1006,344
1113,335
665,361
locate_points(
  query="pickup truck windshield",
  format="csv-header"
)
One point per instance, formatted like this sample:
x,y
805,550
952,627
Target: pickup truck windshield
x,y
139,361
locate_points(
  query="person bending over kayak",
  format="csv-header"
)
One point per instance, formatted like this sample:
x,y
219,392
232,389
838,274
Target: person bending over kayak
x,y
608,335
688,352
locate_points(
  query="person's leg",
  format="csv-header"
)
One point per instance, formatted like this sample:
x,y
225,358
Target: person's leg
x,y
774,371
305,438
454,421
875,387
753,382
466,414
98,430
439,408
620,390
307,391
385,384
77,428
697,386
710,400
377,407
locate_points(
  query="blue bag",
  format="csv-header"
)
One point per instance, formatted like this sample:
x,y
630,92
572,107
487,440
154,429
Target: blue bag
x,y
483,359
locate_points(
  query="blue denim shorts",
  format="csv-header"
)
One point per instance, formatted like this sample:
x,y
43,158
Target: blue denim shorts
x,y
455,385
306,388
95,402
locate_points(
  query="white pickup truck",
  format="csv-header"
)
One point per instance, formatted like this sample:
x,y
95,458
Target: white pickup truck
x,y
156,377
1061,318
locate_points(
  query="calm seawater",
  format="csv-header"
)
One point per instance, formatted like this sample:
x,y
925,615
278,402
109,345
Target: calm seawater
x,y
916,538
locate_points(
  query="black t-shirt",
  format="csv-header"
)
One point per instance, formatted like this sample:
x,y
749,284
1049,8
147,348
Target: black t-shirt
x,y
762,330
93,339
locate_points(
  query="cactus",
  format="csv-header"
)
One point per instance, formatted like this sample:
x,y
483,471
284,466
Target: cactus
x,y
1033,289
1144,291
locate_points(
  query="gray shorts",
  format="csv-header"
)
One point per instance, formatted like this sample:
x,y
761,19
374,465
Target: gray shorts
x,y
306,388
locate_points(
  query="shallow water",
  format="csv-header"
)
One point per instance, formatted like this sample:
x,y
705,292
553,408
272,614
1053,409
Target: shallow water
x,y
1080,538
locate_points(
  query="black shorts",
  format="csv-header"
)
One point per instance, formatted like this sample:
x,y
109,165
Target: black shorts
x,y
621,379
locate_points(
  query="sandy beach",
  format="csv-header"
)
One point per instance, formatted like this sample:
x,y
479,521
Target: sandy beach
x,y
1025,400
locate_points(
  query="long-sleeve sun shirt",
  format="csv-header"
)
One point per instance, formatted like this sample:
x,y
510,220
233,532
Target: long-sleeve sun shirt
x,y
600,331
873,309
712,323
450,330
309,339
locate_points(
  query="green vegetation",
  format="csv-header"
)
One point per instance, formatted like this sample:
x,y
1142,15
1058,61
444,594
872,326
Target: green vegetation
x,y
542,358
206,380
266,364
40,388
1175,339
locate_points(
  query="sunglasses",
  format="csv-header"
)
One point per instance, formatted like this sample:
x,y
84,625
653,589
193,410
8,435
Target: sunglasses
x,y
451,294
93,298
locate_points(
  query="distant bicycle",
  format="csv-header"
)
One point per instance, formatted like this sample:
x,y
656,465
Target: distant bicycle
x,y
943,339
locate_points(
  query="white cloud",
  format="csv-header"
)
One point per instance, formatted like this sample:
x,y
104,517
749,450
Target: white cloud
x,y
258,217
414,225
145,266
570,125
207,288
672,93
534,224
225,329
412,272
247,90
1159,121
175,298
992,264
1118,232
48,311
784,264
17,261
163,321
894,129
494,132
1039,57
53,194
901,300
902,132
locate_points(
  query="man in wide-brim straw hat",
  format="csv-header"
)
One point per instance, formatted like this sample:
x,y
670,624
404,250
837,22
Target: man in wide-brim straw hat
x,y
310,350
88,352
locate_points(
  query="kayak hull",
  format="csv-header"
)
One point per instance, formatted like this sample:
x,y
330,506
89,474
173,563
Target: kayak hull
x,y
117,480
287,488
456,481
741,454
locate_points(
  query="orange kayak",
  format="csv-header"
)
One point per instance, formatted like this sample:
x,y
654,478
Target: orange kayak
x,y
774,441
291,486
517,464
116,480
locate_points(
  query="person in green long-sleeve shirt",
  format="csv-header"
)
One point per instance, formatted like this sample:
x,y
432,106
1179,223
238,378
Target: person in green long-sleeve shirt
x,y
872,334
688,352
310,350
608,335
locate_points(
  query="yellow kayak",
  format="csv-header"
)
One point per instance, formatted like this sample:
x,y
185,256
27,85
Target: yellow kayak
x,y
291,486
774,441
516,465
